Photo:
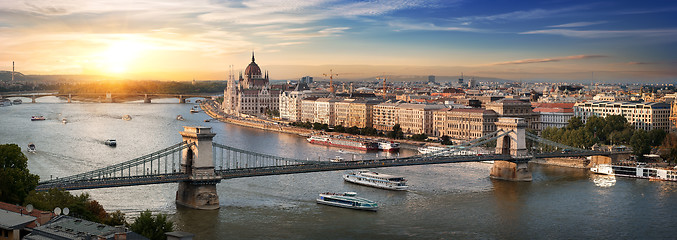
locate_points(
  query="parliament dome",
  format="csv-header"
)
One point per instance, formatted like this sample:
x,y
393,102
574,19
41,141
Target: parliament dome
x,y
253,68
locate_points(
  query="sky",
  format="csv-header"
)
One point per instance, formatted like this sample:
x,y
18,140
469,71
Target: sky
x,y
554,40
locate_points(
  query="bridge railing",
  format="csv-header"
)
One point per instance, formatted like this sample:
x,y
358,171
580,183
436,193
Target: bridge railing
x,y
226,157
151,164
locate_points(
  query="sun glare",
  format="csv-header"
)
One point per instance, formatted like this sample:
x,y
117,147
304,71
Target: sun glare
x,y
119,56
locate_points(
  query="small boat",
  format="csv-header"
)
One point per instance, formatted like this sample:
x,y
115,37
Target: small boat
x,y
126,117
64,121
31,148
347,200
37,118
17,102
378,180
111,142
389,146
337,159
208,120
179,117
4,102
192,110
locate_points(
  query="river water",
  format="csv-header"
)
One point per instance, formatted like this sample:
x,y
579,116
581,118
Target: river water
x,y
448,201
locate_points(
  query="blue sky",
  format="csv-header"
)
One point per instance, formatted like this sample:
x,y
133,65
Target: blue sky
x,y
556,40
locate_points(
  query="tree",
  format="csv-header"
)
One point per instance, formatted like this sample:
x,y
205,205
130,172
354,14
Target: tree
x,y
446,140
396,133
640,143
152,227
116,218
656,137
419,137
15,179
574,123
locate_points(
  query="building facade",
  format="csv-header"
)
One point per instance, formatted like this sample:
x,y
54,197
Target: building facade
x,y
290,102
252,94
641,115
555,115
417,118
464,123
384,116
515,108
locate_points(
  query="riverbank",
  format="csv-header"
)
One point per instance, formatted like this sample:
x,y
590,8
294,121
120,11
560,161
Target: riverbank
x,y
213,110
564,162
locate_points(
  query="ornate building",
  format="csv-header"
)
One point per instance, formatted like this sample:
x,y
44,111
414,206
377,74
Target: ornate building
x,y
251,95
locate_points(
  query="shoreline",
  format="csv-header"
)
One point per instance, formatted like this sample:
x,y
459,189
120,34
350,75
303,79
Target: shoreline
x,y
217,114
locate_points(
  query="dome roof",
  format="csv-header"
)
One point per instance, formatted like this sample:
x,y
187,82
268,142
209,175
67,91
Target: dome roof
x,y
253,69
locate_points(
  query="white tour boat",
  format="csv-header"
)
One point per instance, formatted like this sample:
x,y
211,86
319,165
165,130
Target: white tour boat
x,y
639,171
378,180
347,200
429,149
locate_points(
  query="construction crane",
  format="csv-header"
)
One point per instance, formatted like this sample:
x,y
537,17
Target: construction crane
x,y
331,80
384,86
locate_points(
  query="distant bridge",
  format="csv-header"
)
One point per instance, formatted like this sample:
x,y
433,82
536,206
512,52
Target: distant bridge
x,y
108,97
198,164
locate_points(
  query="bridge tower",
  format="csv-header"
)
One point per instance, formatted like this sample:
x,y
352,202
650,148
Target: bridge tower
x,y
514,144
109,97
146,99
199,191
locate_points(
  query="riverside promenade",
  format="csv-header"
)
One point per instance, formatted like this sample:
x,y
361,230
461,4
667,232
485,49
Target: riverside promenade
x,y
213,109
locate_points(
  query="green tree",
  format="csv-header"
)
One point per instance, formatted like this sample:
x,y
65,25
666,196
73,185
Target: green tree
x,y
656,137
419,137
15,179
152,227
640,143
116,218
574,123
446,140
79,205
396,133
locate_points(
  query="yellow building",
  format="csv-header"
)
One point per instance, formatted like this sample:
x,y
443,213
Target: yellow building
x,y
464,123
385,116
417,118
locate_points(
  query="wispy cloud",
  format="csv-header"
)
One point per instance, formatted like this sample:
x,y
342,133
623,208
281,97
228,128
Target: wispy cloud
x,y
401,26
545,60
525,14
672,32
577,24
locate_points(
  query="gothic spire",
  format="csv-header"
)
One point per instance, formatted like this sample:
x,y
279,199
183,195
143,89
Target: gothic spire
x,y
252,56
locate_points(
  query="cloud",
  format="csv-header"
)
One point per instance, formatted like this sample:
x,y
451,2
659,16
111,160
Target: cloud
x,y
545,60
577,24
672,32
400,26
526,14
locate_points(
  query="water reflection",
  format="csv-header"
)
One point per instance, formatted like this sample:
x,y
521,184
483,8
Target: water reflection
x,y
603,181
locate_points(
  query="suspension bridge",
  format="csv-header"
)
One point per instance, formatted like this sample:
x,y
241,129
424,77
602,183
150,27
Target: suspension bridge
x,y
198,164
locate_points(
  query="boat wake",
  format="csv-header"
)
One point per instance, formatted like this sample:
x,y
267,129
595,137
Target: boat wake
x,y
603,180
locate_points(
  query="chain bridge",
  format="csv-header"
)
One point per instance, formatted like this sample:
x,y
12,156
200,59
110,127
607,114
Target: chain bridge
x,y
198,164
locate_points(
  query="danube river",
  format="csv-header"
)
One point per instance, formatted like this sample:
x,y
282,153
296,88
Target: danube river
x,y
449,201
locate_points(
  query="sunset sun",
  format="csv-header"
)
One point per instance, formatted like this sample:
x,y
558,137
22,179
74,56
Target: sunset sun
x,y
119,55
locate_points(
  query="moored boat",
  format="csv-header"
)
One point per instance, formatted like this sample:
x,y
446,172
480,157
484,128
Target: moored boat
x,y
37,118
378,180
17,101
345,142
638,171
429,149
389,146
347,200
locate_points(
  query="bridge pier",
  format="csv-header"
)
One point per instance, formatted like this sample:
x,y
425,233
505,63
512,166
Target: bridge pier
x,y
146,99
109,97
199,191
69,98
33,98
182,99
514,144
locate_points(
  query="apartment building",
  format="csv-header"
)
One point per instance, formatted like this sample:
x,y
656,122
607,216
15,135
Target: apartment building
x,y
553,114
385,116
417,118
290,102
464,123
360,113
642,115
325,111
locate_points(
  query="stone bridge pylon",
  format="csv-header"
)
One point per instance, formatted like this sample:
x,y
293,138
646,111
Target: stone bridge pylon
x,y
514,144
199,191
